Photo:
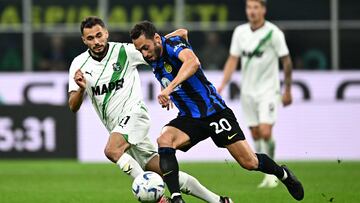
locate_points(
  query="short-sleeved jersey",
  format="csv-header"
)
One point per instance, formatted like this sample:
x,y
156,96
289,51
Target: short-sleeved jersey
x,y
195,97
260,51
113,83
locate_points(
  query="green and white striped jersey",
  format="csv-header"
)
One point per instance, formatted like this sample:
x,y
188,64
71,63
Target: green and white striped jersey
x,y
113,84
260,51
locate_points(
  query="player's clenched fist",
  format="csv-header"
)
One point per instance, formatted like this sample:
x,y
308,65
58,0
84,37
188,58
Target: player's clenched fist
x,y
80,79
164,98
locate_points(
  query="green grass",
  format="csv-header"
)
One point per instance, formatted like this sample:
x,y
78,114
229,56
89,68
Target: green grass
x,y
71,182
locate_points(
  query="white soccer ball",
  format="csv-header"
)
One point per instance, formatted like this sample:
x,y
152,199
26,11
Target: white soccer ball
x,y
148,187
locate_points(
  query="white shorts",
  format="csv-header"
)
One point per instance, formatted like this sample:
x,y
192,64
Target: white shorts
x,y
260,110
134,126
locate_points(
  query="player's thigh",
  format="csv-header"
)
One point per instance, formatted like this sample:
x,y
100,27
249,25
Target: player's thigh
x,y
224,129
268,108
134,126
173,137
183,133
250,110
243,154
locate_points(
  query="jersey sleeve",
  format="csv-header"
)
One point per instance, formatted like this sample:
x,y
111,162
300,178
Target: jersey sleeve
x,y
135,56
176,44
72,84
279,44
235,49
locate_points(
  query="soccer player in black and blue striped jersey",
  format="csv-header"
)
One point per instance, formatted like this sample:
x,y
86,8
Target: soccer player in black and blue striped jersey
x,y
202,111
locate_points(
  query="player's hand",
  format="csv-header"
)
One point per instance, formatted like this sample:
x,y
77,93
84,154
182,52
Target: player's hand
x,y
179,32
164,97
220,89
287,98
80,79
169,106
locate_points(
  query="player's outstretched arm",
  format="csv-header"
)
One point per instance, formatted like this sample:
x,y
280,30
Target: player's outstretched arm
x,y
76,97
229,68
179,32
287,64
189,67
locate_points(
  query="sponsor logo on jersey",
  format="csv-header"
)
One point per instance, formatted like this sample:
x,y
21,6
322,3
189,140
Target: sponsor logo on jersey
x,y
89,73
179,45
167,67
251,54
106,88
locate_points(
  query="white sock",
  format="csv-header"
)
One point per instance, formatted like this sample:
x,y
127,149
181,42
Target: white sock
x,y
257,145
190,185
262,146
270,147
129,165
174,195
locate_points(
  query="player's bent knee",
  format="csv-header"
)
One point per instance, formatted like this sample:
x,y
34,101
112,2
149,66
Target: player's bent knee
x,y
265,133
164,140
255,133
113,154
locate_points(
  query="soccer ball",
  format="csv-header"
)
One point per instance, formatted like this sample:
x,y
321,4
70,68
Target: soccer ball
x,y
148,187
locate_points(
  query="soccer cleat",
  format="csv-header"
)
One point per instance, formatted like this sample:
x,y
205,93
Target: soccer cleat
x,y
177,199
272,181
263,183
225,200
164,199
293,185
269,181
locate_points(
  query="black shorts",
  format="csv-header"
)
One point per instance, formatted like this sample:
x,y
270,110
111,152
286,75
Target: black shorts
x,y
222,127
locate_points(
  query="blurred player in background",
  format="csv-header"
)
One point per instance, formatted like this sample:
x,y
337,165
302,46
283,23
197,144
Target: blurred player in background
x,y
260,44
202,111
107,73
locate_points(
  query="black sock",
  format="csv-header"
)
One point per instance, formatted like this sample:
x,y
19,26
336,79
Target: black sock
x,y
267,165
170,168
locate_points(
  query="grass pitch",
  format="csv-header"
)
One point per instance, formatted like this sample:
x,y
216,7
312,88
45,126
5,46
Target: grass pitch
x,y
68,181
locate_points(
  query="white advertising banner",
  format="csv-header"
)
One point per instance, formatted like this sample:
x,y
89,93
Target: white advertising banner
x,y
322,123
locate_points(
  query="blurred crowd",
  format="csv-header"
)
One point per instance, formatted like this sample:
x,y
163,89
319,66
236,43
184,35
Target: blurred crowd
x,y
54,52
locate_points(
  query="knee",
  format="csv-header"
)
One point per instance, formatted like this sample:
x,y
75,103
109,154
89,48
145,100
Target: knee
x,y
250,163
165,140
113,154
265,133
255,133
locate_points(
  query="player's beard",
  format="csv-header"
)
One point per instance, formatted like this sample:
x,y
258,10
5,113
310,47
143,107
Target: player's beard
x,y
100,54
157,51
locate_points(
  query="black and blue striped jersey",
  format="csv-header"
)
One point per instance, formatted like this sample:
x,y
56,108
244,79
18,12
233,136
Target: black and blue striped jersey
x,y
195,97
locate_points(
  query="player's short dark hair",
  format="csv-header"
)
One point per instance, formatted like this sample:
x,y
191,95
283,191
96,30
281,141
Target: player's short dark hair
x,y
145,28
90,22
262,2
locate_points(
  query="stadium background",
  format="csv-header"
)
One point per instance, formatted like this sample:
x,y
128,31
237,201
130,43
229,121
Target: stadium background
x,y
40,38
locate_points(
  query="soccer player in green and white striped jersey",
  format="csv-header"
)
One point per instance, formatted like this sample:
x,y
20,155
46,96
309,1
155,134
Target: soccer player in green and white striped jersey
x,y
107,72
260,44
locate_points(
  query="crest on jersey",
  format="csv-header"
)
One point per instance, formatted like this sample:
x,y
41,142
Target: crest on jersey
x,y
116,66
167,67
